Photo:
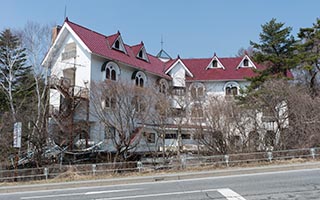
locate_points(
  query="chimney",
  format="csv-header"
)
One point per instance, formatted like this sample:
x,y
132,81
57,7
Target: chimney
x,y
55,32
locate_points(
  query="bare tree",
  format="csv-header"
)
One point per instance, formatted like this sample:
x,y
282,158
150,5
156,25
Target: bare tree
x,y
288,114
36,40
123,110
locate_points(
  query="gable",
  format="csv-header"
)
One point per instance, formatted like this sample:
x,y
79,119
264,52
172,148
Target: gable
x,y
246,62
69,50
177,64
118,44
215,63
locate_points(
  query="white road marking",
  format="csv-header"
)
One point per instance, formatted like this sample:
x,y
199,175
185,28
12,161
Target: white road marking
x,y
159,182
79,194
158,195
230,194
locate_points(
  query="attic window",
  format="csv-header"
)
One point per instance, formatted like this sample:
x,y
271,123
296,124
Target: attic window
x,y
117,44
143,55
246,62
215,63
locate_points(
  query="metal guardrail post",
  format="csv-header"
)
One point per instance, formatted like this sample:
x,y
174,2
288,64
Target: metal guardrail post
x,y
94,169
139,166
46,172
270,156
313,153
226,158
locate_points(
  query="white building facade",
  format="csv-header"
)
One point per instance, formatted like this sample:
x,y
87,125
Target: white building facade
x,y
79,56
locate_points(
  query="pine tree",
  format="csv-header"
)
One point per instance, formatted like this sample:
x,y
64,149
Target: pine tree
x,y
308,52
274,51
13,70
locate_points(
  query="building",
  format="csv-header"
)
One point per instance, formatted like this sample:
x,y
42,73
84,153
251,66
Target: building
x,y
79,56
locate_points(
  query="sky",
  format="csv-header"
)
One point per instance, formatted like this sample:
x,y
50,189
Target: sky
x,y
189,28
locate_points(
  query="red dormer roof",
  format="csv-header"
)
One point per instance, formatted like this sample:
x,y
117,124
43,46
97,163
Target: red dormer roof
x,y
97,43
198,68
112,38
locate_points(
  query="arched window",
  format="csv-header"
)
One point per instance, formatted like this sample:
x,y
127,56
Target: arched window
x,y
140,78
197,90
215,63
163,86
231,88
111,71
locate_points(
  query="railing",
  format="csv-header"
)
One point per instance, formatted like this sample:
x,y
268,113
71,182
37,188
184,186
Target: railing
x,y
154,164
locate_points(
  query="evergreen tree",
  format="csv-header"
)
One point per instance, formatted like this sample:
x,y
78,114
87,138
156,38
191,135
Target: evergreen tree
x,y
274,51
308,53
13,70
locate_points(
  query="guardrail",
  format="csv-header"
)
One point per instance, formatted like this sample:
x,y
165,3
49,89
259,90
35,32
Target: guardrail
x,y
153,164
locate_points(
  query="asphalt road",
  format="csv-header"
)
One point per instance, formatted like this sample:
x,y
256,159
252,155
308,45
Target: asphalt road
x,y
282,185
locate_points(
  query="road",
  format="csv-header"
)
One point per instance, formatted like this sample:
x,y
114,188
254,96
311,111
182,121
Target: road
x,y
282,185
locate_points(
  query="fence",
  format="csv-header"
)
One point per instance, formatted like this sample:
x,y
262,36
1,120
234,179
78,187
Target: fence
x,y
153,164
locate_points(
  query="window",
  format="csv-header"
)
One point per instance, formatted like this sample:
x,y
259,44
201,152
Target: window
x,y
232,89
139,78
186,136
150,137
110,132
117,44
110,102
171,136
140,54
139,104
111,71
178,112
197,90
163,86
246,62
197,111
179,91
215,63
270,138
70,51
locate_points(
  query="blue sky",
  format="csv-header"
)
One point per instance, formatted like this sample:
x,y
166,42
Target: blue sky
x,y
190,28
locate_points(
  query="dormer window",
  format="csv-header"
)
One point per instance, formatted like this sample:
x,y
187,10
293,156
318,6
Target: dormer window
x,y
117,44
215,63
246,62
142,54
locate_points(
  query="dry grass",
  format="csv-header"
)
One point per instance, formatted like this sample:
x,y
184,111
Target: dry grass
x,y
74,175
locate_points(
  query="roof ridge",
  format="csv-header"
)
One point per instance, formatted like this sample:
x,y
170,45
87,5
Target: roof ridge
x,y
86,28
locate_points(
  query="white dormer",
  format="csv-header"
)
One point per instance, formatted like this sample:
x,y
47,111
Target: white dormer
x,y
142,54
215,63
246,62
119,45
178,72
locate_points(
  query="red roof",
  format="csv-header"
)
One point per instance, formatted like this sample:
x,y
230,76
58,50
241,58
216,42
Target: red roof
x,y
198,68
97,43
101,45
